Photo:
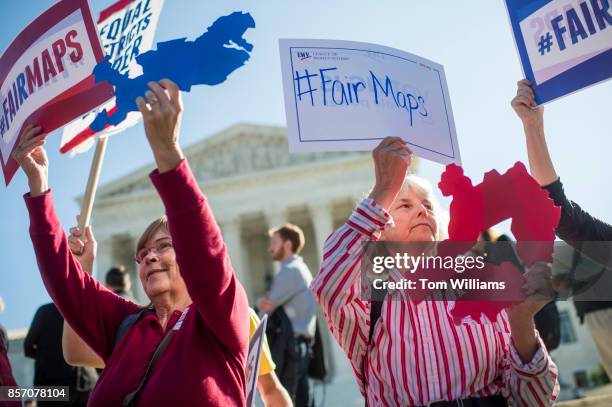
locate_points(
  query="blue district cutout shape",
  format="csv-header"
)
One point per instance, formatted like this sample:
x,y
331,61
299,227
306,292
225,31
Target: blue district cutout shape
x,y
208,60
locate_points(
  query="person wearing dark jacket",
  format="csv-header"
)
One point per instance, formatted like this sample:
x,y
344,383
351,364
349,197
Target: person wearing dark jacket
x,y
43,343
290,291
588,235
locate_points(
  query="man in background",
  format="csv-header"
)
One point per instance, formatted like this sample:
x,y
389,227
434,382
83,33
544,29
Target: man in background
x,y
118,281
290,293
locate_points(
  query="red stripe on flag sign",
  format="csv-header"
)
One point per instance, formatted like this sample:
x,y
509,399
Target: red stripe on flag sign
x,y
110,10
83,135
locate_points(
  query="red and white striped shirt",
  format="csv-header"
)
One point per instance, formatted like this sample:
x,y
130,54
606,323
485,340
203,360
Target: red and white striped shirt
x,y
418,355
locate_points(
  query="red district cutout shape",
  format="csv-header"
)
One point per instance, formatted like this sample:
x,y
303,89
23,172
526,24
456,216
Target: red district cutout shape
x,y
513,195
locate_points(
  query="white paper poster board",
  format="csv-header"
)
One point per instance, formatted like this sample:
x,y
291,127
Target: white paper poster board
x,y
347,96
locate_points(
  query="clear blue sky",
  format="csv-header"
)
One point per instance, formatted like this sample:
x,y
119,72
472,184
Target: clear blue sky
x,y
473,43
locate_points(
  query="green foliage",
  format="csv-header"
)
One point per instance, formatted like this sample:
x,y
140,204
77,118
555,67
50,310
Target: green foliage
x,y
599,377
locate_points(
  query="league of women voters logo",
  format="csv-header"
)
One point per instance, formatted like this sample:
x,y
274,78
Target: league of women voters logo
x,y
513,195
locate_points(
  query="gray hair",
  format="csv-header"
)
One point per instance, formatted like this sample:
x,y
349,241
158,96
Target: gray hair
x,y
424,187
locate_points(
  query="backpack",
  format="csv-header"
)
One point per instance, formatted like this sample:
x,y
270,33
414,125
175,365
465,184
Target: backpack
x,y
317,369
128,323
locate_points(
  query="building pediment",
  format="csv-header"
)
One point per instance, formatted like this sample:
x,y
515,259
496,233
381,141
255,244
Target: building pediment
x,y
243,149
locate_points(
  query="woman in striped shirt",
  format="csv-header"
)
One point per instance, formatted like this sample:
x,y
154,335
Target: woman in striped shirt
x,y
417,355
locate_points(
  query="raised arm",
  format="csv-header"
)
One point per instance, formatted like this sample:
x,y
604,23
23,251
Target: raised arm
x,y
532,116
576,225
77,352
530,374
92,310
200,251
272,391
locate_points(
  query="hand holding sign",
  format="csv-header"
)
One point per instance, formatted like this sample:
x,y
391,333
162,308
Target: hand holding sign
x,y
524,105
392,158
32,158
83,249
162,120
208,60
126,30
538,290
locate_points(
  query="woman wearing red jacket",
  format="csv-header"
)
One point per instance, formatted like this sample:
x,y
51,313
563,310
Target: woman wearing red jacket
x,y
199,309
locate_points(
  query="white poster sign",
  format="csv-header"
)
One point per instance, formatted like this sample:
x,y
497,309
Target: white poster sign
x,y
127,29
253,360
343,96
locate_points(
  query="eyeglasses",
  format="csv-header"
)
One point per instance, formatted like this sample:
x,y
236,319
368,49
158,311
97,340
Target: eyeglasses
x,y
159,248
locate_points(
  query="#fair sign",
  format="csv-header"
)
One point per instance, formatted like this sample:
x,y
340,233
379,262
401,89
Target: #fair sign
x,y
46,75
564,45
342,96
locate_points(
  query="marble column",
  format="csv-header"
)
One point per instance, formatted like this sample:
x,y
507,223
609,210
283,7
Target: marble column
x,y
104,258
232,235
322,222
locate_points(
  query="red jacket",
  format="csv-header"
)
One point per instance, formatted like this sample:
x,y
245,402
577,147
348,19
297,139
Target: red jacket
x,y
6,374
203,365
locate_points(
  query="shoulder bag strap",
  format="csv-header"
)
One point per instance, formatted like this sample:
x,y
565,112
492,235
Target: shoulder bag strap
x,y
130,399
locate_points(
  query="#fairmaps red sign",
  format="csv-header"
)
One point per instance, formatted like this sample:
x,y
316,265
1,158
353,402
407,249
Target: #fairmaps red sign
x,y
46,75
